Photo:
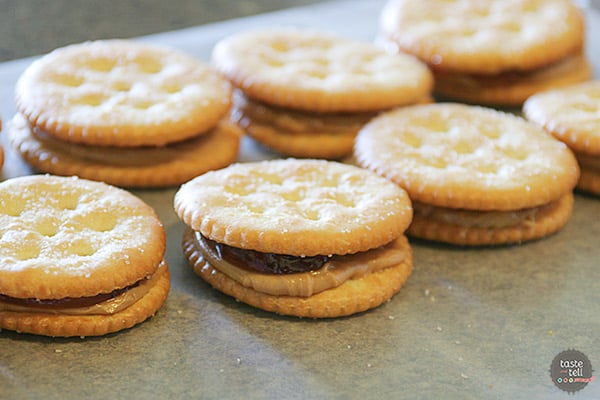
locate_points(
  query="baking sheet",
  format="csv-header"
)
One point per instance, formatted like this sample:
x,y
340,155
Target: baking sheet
x,y
469,324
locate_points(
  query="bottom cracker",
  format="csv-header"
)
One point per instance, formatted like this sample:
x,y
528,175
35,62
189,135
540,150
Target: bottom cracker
x,y
158,167
547,222
351,297
57,325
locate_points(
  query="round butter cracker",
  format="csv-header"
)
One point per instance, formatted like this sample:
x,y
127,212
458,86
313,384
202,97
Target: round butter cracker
x,y
572,115
485,36
66,243
459,156
315,71
295,207
69,237
121,93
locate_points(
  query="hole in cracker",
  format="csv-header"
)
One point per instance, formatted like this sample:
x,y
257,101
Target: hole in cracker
x,y
435,163
143,105
486,168
24,245
340,199
274,63
292,196
463,147
171,88
149,65
239,190
121,86
47,226
67,202
256,208
412,140
280,46
510,27
490,132
312,215
80,247
96,220
68,80
436,125
12,207
467,32
92,100
516,153
101,64
317,74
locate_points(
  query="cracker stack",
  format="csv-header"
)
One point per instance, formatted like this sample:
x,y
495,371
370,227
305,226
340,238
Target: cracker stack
x,y
305,93
572,115
490,52
476,176
307,238
78,257
123,112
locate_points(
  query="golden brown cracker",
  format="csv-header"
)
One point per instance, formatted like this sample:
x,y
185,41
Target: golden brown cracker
x,y
511,89
310,70
70,237
121,93
142,167
571,114
459,156
485,36
64,325
295,207
537,223
351,297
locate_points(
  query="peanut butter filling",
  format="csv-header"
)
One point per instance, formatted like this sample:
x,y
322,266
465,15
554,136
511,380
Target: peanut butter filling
x,y
117,156
336,271
481,219
572,65
247,112
102,304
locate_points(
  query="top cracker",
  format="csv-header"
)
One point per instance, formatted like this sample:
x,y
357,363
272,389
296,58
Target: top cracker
x,y
315,71
121,93
485,36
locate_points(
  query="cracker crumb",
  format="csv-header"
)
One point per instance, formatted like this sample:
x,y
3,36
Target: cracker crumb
x,y
391,317
438,328
464,376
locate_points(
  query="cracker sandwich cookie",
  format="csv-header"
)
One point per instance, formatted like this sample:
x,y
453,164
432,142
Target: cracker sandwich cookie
x,y
77,257
306,93
124,112
476,176
572,115
306,238
490,52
